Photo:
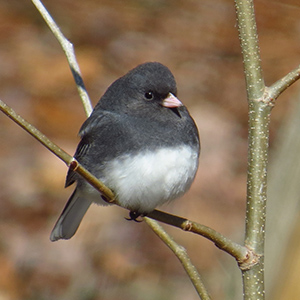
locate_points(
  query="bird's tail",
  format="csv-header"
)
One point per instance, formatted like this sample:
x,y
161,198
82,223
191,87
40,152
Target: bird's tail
x,y
69,220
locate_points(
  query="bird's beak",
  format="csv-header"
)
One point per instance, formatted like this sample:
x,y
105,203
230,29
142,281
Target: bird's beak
x,y
171,101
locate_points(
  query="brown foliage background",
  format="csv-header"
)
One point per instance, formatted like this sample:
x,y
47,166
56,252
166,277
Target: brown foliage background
x,y
110,258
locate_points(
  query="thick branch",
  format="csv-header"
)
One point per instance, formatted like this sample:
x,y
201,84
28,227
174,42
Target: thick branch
x,y
259,118
250,48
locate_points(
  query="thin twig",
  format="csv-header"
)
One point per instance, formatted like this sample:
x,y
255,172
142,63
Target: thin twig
x,y
275,90
183,257
64,156
70,54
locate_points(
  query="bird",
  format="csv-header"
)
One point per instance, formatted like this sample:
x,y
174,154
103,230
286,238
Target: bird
x,y
140,141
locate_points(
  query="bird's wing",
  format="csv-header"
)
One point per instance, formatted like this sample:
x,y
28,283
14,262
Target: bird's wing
x,y
87,133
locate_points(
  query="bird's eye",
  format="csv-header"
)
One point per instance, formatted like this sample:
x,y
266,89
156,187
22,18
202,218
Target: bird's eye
x,y
149,95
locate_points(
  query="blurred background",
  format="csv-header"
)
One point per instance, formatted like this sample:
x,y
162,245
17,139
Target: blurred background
x,y
110,258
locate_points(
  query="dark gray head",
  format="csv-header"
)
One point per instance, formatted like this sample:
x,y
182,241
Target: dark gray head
x,y
143,88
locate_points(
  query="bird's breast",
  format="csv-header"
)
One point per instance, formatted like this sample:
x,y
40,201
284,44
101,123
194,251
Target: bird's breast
x,y
144,180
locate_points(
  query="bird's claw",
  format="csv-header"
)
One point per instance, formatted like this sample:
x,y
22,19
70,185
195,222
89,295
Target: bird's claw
x,y
133,215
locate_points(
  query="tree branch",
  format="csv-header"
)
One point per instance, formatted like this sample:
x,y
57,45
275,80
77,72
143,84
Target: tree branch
x,y
250,48
275,90
183,257
258,142
240,253
64,156
261,99
70,54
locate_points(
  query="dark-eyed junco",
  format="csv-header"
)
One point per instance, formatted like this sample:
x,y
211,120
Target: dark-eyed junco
x,y
140,141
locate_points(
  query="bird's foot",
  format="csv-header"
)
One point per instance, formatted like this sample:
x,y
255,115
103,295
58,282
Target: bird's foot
x,y
133,215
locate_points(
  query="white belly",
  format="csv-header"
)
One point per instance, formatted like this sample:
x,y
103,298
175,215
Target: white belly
x,y
147,180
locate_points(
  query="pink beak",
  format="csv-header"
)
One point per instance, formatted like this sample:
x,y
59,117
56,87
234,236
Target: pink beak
x,y
171,101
